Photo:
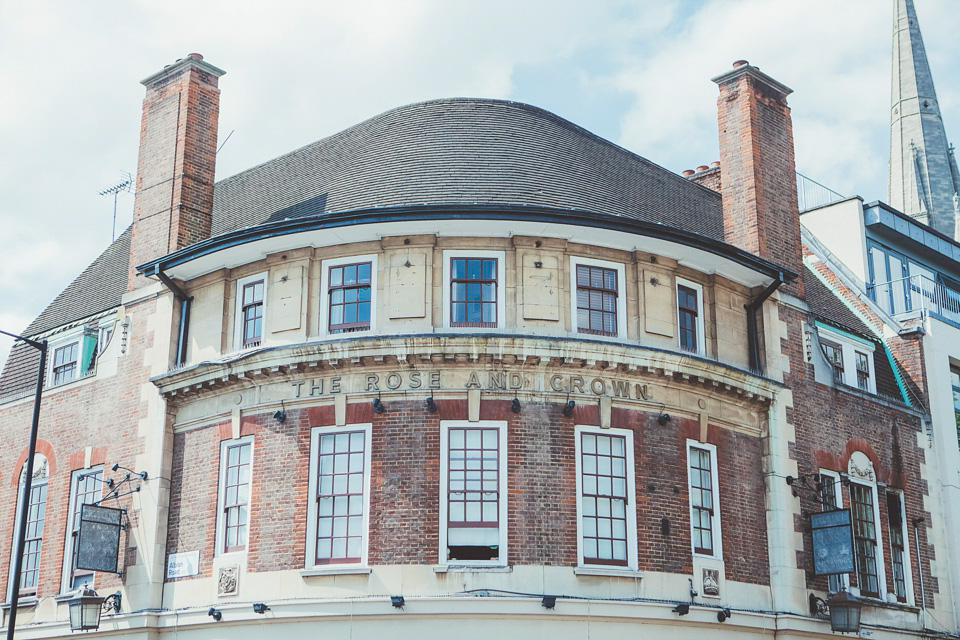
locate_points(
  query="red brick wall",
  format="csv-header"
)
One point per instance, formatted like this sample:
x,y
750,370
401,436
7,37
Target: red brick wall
x,y
99,412
405,482
830,425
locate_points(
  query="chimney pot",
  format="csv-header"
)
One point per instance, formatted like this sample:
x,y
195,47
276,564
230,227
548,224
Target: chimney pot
x,y
688,172
715,163
739,63
195,55
702,167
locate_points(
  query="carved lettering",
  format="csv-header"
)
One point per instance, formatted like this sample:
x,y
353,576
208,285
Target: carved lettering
x,y
643,392
598,387
473,382
555,383
576,382
373,382
498,380
516,381
297,385
335,384
415,380
434,380
316,387
393,381
621,388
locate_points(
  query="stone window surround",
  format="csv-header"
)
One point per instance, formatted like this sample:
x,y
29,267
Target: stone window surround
x,y
716,527
67,575
323,326
311,568
219,547
619,267
502,457
631,506
238,312
701,311
501,258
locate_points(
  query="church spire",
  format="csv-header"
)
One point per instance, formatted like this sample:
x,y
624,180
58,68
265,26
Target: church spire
x,y
923,171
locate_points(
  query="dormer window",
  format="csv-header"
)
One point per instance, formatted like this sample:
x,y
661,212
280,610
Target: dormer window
x,y
65,363
850,356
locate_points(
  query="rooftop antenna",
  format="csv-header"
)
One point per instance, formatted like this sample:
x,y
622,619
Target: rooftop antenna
x,y
123,185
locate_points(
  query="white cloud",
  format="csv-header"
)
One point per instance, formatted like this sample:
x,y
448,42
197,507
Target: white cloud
x,y
301,70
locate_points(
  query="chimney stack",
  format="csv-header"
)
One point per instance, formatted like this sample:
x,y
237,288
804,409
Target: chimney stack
x,y
175,171
760,211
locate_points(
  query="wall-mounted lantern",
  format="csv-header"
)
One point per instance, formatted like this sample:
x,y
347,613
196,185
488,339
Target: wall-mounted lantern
x,y
86,607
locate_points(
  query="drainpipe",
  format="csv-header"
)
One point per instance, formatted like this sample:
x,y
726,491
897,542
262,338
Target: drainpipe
x,y
752,336
184,316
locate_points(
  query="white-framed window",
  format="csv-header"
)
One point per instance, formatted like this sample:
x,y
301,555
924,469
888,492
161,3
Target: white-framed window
x,y
36,517
66,363
348,294
105,332
250,313
86,487
690,312
606,509
598,297
233,495
831,494
867,542
705,532
850,356
899,547
338,516
473,289
473,493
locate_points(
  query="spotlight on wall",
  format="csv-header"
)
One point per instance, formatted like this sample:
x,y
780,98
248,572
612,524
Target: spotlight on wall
x,y
397,601
568,408
280,416
431,405
723,614
260,607
663,419
515,405
378,406
681,609
215,614
549,602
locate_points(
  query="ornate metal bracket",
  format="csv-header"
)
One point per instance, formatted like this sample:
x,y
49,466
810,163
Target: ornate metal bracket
x,y
818,607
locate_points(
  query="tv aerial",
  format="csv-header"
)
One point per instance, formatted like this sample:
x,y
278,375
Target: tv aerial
x,y
124,185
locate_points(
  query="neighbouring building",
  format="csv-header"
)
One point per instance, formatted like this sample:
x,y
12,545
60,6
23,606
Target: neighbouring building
x,y
466,363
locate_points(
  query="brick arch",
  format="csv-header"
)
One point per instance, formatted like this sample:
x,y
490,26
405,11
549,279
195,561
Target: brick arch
x,y
834,462
43,447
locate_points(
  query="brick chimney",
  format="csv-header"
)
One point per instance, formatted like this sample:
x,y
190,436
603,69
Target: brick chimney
x,y
760,212
175,172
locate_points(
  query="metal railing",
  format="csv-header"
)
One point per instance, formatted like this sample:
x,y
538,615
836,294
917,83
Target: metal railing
x,y
918,293
811,194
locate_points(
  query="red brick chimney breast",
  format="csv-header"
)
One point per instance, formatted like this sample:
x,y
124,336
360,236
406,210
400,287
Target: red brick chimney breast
x,y
760,211
175,171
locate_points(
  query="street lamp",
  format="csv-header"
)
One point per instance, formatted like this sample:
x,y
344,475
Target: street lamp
x,y
843,608
21,531
86,607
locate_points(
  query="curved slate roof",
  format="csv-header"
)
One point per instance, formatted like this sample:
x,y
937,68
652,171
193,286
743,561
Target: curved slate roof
x,y
465,151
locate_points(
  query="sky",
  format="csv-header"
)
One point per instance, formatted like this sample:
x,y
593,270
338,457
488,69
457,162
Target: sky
x,y
637,73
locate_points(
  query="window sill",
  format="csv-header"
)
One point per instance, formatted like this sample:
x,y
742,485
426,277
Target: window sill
x,y
883,604
26,601
336,571
607,573
466,568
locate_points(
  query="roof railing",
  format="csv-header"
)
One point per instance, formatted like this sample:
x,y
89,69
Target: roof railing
x,y
811,194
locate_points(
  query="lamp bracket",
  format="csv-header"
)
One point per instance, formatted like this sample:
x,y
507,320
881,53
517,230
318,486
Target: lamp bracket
x,y
811,485
818,607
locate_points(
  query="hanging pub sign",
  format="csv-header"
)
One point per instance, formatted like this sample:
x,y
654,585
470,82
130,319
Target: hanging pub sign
x,y
832,542
98,543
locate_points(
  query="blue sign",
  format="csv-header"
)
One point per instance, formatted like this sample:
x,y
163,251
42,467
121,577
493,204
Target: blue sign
x,y
832,542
